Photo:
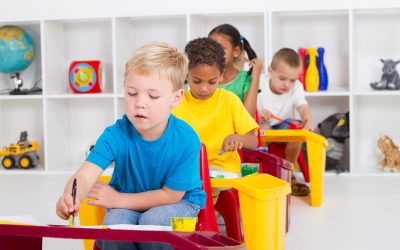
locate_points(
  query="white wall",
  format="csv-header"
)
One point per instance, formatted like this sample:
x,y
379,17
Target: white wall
x,y
49,9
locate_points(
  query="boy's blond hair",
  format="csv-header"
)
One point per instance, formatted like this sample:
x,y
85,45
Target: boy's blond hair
x,y
287,56
162,59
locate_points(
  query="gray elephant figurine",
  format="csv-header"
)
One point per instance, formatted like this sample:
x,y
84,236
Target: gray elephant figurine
x,y
390,79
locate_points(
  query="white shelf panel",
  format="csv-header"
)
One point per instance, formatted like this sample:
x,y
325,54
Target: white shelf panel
x,y
120,107
250,25
80,96
376,36
21,97
73,125
19,115
17,170
74,40
323,106
332,91
131,33
312,29
66,123
378,93
328,93
374,116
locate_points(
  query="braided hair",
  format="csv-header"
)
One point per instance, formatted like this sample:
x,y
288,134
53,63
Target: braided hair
x,y
236,40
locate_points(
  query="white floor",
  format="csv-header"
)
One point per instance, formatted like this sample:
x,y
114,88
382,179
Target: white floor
x,y
358,212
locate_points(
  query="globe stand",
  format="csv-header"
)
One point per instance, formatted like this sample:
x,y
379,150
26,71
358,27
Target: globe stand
x,y
18,84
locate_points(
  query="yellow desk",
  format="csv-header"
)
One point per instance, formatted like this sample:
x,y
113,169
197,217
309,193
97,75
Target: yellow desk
x,y
316,151
262,199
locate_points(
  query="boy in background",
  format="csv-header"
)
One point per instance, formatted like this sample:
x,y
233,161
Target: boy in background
x,y
157,173
282,95
217,115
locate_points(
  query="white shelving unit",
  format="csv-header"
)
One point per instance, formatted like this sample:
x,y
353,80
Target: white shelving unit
x,y
65,124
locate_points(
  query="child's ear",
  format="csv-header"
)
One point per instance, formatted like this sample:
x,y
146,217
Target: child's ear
x,y
236,52
221,77
269,69
178,95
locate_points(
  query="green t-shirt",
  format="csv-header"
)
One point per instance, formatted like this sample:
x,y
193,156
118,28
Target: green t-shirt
x,y
239,85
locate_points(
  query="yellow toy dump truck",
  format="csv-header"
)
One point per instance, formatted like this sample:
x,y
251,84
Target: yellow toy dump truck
x,y
23,154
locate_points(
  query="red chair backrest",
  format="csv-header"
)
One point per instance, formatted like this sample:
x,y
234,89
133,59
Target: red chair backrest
x,y
206,219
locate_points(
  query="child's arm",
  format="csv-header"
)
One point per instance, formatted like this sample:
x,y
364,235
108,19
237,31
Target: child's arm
x,y
264,115
305,114
234,142
105,196
250,97
86,176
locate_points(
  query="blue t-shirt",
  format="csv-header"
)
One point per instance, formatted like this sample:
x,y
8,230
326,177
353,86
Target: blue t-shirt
x,y
172,160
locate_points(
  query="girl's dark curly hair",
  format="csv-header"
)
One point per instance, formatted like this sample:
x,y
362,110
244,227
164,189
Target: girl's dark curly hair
x,y
205,51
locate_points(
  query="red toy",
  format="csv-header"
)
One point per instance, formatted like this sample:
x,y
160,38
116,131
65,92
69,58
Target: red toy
x,y
86,76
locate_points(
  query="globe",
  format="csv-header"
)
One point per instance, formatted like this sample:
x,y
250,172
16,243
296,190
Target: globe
x,y
16,49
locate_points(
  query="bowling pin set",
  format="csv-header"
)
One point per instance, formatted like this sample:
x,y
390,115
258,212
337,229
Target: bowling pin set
x,y
313,73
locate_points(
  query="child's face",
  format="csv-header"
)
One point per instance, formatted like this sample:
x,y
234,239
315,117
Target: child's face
x,y
148,102
283,78
225,41
203,80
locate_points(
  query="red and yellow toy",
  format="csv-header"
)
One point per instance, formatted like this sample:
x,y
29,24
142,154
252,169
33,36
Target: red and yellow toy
x,y
86,76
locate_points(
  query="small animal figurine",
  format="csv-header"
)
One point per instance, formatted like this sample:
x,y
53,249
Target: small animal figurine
x,y
390,79
391,154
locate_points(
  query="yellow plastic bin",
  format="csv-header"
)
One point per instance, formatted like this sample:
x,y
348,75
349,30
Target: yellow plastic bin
x,y
262,199
92,215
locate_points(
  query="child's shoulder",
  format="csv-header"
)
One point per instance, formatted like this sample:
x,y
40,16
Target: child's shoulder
x,y
226,94
119,124
120,127
298,87
181,126
184,132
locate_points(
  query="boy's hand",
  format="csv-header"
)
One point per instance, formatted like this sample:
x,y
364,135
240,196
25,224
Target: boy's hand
x,y
103,195
231,143
65,206
264,115
307,125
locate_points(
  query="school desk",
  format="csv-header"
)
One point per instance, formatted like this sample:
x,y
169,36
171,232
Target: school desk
x,y
316,151
22,237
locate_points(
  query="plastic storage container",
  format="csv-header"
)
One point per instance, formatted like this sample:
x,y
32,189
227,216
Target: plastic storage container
x,y
273,165
262,199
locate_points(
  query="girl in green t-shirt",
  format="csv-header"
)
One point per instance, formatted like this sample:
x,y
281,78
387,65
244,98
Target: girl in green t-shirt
x,y
243,84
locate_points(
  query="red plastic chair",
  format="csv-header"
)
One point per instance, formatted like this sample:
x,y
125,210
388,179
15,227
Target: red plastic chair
x,y
206,220
228,206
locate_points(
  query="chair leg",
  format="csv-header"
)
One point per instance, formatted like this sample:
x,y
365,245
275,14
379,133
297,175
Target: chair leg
x,y
228,206
95,247
303,166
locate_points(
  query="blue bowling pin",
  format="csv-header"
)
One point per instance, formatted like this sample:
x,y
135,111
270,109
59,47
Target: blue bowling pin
x,y
322,73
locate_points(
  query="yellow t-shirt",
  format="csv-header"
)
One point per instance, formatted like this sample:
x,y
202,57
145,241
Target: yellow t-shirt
x,y
213,120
